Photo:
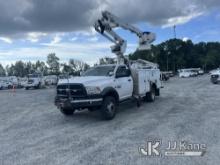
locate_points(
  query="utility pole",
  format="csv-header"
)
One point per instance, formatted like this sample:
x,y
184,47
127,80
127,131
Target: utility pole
x,y
174,31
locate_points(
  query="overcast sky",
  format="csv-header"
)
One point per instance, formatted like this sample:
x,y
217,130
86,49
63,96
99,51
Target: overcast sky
x,y
30,29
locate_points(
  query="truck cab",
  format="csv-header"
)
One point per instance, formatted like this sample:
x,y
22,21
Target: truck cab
x,y
35,81
89,90
101,87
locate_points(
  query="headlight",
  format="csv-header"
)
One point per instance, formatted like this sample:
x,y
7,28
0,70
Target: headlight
x,y
93,90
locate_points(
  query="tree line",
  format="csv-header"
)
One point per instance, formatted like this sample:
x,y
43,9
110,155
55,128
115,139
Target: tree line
x,y
51,67
177,54
172,55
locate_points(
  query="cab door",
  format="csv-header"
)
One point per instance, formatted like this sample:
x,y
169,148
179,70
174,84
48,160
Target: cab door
x,y
123,82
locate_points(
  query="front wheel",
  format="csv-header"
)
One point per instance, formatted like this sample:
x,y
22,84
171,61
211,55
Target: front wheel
x,y
108,109
67,111
38,86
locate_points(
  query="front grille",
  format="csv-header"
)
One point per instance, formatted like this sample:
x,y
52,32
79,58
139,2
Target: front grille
x,y
73,90
215,76
30,81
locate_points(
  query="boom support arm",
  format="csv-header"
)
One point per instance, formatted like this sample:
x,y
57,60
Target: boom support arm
x,y
120,44
108,22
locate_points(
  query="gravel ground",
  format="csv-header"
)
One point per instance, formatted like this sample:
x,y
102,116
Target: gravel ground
x,y
33,131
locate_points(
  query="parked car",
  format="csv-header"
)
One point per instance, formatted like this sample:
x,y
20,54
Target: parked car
x,y
201,72
213,71
171,73
35,81
23,82
190,72
215,77
5,84
194,73
165,76
51,80
186,73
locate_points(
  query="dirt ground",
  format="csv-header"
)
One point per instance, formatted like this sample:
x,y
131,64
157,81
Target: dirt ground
x,y
33,131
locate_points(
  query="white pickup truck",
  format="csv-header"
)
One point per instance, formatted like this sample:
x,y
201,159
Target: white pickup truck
x,y
215,77
104,87
35,81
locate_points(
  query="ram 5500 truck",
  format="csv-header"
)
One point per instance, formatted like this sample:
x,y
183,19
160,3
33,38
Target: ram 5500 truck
x,y
104,87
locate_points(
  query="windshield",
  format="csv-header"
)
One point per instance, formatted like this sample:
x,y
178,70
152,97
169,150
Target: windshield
x,y
99,71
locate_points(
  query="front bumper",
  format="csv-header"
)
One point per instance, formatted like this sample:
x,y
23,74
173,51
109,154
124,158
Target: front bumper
x,y
77,103
215,80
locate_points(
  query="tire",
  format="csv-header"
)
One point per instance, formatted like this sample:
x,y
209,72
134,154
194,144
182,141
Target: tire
x,y
26,88
67,111
38,86
150,96
108,108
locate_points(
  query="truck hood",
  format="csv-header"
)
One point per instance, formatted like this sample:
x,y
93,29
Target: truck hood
x,y
87,81
216,73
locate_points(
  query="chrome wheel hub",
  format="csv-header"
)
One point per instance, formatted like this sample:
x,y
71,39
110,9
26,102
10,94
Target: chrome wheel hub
x,y
110,107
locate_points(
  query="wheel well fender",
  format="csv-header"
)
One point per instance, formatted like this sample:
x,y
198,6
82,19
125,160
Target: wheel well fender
x,y
110,91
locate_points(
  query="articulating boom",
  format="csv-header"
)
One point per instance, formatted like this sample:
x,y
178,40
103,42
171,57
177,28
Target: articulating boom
x,y
105,27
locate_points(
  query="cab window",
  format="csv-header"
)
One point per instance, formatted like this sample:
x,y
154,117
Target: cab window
x,y
122,71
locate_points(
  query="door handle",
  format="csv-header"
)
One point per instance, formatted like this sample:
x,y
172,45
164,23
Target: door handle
x,y
129,79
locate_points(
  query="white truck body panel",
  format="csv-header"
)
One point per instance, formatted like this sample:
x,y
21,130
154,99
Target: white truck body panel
x,y
143,78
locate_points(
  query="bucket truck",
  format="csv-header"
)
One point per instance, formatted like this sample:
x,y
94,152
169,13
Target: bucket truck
x,y
104,87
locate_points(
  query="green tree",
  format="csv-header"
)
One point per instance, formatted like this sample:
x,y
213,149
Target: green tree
x,y
77,66
41,67
175,54
66,69
29,68
53,63
2,71
19,69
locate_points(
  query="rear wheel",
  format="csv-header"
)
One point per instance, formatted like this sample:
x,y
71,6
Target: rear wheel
x,y
67,111
150,96
27,88
108,109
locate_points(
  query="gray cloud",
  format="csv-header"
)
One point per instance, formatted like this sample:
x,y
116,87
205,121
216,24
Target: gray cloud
x,y
18,17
